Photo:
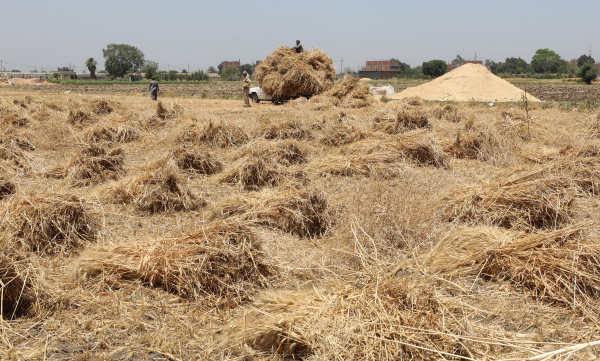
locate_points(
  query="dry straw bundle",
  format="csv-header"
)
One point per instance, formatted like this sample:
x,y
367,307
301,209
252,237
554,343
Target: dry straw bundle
x,y
414,101
164,112
449,112
253,172
288,129
303,212
285,73
220,135
53,224
13,159
7,187
405,120
342,134
350,93
16,140
157,191
219,264
285,152
21,289
92,165
521,200
194,160
556,266
112,131
390,318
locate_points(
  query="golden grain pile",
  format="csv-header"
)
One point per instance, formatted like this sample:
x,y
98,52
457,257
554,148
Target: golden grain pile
x,y
285,73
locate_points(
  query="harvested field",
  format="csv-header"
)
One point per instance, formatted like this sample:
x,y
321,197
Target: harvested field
x,y
299,231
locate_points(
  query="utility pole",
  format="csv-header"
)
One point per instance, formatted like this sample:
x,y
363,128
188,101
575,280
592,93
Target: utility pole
x,y
188,68
342,66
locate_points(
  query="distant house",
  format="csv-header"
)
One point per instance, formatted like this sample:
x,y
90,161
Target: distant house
x,y
230,64
380,69
65,75
213,75
25,75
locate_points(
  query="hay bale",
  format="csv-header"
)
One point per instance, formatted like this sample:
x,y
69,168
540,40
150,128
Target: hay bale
x,y
449,112
51,224
220,135
254,172
195,161
302,212
342,134
521,200
92,165
7,187
220,264
21,289
414,101
549,264
101,106
157,191
284,73
285,152
289,129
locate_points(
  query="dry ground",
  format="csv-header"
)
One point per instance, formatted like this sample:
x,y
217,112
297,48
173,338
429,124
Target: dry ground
x,y
350,271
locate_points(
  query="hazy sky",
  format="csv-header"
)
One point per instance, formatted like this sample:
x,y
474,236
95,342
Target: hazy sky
x,y
176,33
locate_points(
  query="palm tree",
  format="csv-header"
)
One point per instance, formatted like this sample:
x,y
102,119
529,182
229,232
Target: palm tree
x,y
91,64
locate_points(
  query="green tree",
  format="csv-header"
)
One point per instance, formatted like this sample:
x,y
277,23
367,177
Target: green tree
x,y
588,72
211,69
91,64
119,58
230,72
220,67
247,68
585,59
546,60
458,61
434,68
150,69
64,68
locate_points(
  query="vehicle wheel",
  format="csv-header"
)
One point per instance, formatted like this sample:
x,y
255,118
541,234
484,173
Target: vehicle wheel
x,y
254,98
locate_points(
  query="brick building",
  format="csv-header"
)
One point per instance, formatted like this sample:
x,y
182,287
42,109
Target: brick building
x,y
380,69
230,64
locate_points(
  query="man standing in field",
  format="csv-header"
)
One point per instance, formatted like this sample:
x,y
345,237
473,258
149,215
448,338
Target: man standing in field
x,y
247,83
154,89
298,48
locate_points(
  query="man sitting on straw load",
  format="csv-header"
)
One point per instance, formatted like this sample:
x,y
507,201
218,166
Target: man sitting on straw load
x,y
298,48
247,83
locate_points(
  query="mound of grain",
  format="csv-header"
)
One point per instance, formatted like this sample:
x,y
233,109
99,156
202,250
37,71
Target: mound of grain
x,y
285,73
466,83
303,212
220,264
52,224
157,191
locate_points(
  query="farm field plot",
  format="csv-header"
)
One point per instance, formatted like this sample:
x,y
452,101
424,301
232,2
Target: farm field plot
x,y
321,229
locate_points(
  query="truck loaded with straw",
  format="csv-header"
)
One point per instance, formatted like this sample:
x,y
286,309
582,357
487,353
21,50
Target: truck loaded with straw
x,y
286,74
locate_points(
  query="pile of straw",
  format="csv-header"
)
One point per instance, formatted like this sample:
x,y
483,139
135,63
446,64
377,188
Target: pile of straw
x,y
285,152
165,113
80,116
390,318
52,224
350,93
302,212
112,133
7,187
342,134
344,166
13,159
285,73
13,119
254,172
21,290
12,140
101,106
405,120
521,200
220,135
289,129
195,161
414,101
449,112
157,191
220,264
559,266
92,165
